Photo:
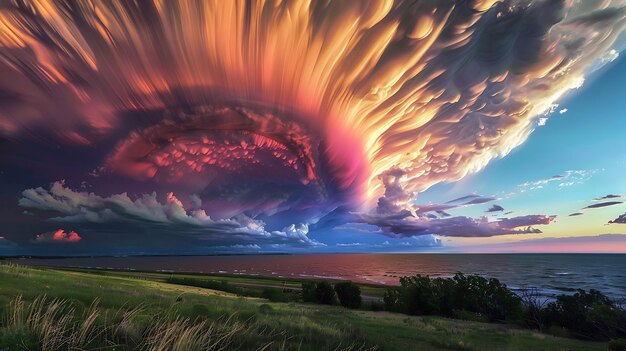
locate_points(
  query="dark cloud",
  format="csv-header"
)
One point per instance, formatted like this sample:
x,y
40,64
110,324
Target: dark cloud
x,y
606,197
464,198
434,208
575,214
621,219
478,201
603,204
259,149
495,208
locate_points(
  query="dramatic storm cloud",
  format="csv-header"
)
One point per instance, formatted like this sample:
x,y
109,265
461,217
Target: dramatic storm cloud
x,y
245,123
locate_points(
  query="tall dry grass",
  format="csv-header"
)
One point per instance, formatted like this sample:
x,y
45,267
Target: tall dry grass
x,y
54,324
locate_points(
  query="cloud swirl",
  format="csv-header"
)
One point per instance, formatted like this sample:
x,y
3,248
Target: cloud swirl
x,y
268,116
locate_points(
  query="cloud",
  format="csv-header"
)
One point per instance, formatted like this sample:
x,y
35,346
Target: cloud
x,y
495,208
349,244
58,236
621,219
379,101
610,56
575,214
169,216
468,200
460,226
397,218
464,198
606,197
603,204
480,200
437,90
563,111
567,179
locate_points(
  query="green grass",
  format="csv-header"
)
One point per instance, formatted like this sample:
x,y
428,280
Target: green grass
x,y
255,323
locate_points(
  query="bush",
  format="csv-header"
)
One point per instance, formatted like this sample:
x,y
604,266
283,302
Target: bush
x,y
588,315
308,291
324,294
349,294
376,306
274,295
422,295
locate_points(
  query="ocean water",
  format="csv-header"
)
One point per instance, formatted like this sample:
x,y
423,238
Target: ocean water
x,y
549,273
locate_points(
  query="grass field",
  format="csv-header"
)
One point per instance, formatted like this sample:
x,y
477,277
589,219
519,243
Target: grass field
x,y
140,311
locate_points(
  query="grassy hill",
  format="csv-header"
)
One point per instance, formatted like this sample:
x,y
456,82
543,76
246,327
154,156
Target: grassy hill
x,y
54,309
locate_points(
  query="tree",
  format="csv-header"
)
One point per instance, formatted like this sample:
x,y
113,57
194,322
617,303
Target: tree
x,y
349,294
308,291
324,294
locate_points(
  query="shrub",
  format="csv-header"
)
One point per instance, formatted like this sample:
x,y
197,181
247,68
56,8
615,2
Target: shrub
x,y
422,295
324,294
376,306
588,315
391,300
308,291
349,294
274,295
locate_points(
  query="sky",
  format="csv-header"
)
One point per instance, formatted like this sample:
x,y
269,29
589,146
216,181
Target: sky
x,y
245,127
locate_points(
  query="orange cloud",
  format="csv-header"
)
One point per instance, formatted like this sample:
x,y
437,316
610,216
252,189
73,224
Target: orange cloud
x,y
59,235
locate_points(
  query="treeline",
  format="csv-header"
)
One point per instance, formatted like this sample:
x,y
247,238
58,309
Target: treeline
x,y
585,314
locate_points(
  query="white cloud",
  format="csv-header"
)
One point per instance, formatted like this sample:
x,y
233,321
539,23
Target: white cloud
x,y
610,56
83,207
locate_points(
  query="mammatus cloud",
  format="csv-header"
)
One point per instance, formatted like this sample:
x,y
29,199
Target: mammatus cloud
x,y
621,219
495,208
374,77
281,110
170,216
58,236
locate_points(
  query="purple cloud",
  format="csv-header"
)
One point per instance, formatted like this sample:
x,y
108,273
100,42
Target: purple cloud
x,y
606,197
621,219
603,204
495,208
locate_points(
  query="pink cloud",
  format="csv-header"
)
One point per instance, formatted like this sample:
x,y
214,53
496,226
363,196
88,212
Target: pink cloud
x,y
59,235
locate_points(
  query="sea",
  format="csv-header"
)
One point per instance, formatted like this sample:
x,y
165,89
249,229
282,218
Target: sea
x,y
549,274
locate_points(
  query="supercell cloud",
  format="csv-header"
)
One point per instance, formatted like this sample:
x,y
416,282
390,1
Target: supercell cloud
x,y
246,123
